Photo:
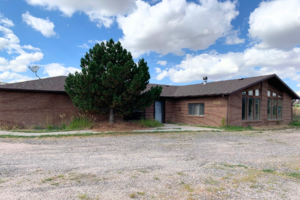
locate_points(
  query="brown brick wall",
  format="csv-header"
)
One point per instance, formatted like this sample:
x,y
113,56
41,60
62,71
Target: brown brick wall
x,y
235,107
27,109
176,110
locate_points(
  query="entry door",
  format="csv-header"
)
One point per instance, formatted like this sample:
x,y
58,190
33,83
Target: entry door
x,y
158,111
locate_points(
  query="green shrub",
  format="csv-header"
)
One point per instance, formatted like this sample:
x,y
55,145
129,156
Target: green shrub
x,y
150,123
297,106
37,127
80,122
295,175
294,123
63,126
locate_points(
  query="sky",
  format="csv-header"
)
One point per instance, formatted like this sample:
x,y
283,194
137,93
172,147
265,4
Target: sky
x,y
181,40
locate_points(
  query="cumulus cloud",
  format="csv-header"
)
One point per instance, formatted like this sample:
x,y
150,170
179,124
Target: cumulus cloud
x,y
57,69
45,26
101,11
5,21
162,62
11,44
234,39
172,25
84,46
276,24
13,77
224,66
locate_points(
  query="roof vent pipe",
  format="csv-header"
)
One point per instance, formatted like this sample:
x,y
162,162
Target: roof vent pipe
x,y
205,80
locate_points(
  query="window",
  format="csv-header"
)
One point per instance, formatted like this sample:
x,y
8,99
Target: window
x,y
279,109
244,108
250,109
257,109
196,109
250,92
244,93
275,105
257,92
269,93
274,109
269,108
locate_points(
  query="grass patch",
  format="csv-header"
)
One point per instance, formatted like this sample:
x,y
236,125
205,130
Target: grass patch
x,y
83,196
238,128
268,170
295,123
80,122
156,178
132,195
233,166
150,123
141,193
211,181
188,188
255,186
295,175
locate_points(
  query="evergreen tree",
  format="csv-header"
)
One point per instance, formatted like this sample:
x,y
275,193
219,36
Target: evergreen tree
x,y
111,81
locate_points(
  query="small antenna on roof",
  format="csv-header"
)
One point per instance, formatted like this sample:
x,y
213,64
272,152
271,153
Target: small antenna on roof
x,y
34,69
205,80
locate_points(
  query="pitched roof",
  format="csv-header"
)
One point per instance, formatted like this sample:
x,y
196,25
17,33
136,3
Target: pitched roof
x,y
52,84
56,84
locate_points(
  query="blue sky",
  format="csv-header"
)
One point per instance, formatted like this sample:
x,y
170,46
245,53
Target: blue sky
x,y
182,40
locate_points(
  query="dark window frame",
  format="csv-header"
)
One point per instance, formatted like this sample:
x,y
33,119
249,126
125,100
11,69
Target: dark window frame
x,y
199,110
253,97
278,97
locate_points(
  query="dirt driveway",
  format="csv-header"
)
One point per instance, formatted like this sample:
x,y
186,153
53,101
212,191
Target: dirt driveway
x,y
195,165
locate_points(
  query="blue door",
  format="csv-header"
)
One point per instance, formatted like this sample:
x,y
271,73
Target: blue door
x,y
158,111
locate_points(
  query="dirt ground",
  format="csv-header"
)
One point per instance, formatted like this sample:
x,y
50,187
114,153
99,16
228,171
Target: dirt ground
x,y
187,165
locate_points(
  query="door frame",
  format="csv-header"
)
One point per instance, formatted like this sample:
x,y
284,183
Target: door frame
x,y
162,110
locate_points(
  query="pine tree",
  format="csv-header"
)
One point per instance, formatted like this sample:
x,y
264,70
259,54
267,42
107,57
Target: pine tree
x,y
111,81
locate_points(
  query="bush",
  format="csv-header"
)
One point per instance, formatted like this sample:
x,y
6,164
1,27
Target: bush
x,y
80,122
294,123
150,123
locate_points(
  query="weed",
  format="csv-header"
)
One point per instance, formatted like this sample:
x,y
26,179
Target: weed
x,y
188,188
181,183
80,122
143,171
37,127
47,180
150,123
83,196
232,166
55,184
268,170
1,181
132,195
141,193
211,181
255,186
295,175
180,173
156,178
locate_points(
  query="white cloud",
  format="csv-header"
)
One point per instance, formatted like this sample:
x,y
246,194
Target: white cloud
x,y
45,26
233,38
97,41
162,62
276,24
29,47
100,11
13,77
172,25
11,44
5,21
157,70
57,69
84,46
223,66
298,85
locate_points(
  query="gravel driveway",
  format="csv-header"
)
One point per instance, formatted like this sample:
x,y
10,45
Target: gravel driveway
x,y
187,165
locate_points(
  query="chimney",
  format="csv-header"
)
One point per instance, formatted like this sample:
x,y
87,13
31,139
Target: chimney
x,y
205,80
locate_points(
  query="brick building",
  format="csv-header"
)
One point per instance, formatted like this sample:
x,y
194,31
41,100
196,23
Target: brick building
x,y
255,101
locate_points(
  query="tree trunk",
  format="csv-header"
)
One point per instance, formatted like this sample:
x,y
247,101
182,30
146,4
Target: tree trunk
x,y
111,116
